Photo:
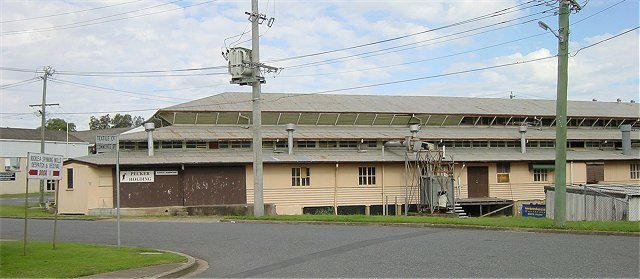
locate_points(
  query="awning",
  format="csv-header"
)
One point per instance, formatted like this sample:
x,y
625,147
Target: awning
x,y
542,167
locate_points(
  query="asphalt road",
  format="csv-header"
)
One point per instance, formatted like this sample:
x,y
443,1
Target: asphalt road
x,y
280,250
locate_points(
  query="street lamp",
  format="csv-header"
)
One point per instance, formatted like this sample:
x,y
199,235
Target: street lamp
x,y
560,197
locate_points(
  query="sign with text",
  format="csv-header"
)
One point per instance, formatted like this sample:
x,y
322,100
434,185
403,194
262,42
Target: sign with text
x,y
136,176
44,166
534,210
106,144
166,172
7,176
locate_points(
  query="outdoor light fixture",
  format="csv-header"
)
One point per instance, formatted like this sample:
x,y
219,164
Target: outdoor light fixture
x,y
544,26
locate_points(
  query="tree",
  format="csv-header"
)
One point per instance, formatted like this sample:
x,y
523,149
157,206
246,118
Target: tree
x,y
121,121
104,122
118,121
57,124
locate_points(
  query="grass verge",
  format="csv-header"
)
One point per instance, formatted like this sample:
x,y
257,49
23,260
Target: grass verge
x,y
506,222
71,260
21,195
32,212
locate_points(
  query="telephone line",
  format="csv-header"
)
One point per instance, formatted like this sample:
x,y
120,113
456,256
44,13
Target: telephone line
x,y
128,93
76,25
416,44
405,36
72,12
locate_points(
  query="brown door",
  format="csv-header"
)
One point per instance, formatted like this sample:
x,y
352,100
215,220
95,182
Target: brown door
x,y
478,181
595,172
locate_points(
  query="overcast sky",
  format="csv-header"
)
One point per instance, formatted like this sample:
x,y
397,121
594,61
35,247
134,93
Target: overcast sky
x,y
120,56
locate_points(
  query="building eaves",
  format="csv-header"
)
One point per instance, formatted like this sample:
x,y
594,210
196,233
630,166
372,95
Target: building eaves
x,y
205,132
197,157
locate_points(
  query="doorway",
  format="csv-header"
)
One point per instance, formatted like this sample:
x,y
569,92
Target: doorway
x,y
478,182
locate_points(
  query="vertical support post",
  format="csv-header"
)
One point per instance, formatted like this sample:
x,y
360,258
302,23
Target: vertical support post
x,y
335,191
258,202
584,194
26,206
560,206
55,219
118,185
42,124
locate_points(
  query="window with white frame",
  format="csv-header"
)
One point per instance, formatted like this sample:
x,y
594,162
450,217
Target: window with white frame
x,y
540,175
634,171
51,185
366,176
300,177
12,164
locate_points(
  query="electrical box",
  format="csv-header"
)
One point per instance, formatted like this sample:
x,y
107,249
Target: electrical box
x,y
239,68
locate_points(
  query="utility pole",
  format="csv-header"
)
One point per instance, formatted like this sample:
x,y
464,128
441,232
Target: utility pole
x,y
245,69
560,205
258,200
48,71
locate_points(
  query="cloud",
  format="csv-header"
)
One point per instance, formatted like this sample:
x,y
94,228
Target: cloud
x,y
194,37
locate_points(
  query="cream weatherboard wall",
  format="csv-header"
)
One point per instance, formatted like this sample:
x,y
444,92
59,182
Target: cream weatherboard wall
x,y
620,172
331,185
92,188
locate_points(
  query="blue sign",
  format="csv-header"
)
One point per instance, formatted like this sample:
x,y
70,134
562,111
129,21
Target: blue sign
x,y
534,210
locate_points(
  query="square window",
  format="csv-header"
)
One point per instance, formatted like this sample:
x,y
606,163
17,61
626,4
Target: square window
x,y
540,175
300,177
366,176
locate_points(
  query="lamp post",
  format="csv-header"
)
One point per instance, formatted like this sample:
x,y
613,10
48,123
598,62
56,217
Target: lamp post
x,y
560,207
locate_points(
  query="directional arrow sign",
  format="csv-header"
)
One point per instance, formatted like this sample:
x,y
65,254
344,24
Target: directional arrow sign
x,y
44,166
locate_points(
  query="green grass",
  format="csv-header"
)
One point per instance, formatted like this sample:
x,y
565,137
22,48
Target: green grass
x,y
33,212
507,222
70,260
18,211
21,195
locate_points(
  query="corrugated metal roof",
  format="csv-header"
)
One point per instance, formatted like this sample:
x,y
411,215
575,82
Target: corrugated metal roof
x,y
207,132
280,102
329,156
90,135
34,134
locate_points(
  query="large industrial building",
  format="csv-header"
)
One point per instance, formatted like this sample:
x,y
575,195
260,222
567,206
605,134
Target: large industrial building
x,y
354,153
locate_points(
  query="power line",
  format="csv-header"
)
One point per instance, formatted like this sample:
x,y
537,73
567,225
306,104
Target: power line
x,y
19,83
417,61
490,15
602,41
128,93
90,22
72,12
415,44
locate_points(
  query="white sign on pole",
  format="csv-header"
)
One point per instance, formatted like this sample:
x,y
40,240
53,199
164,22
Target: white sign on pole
x,y
136,176
106,144
44,166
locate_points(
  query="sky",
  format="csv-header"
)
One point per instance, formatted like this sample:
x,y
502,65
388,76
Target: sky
x,y
137,56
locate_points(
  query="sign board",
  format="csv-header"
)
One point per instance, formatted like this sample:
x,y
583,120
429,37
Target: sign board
x,y
166,172
534,210
7,176
136,176
44,166
106,144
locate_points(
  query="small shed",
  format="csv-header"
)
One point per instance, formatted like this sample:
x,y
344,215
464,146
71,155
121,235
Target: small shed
x,y
597,202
